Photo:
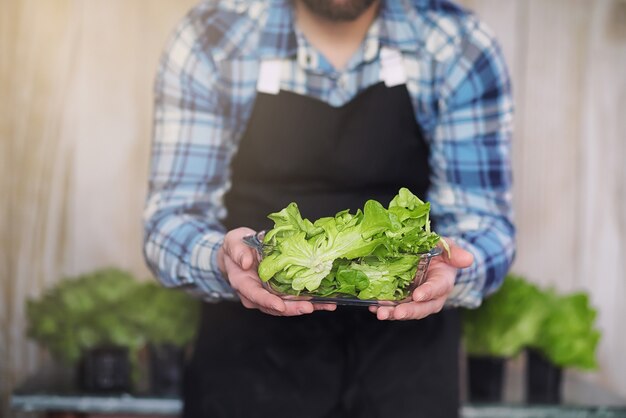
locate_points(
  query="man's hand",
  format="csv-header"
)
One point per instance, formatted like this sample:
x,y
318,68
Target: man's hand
x,y
239,263
430,297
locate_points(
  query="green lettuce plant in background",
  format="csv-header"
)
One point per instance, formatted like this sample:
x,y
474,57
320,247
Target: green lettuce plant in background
x,y
109,307
567,336
507,322
521,315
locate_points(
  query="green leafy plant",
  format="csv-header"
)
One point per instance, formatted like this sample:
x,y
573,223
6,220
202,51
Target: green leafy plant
x,y
372,254
109,307
171,316
521,315
507,321
568,337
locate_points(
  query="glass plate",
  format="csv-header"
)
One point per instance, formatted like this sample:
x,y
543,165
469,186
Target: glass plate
x,y
256,241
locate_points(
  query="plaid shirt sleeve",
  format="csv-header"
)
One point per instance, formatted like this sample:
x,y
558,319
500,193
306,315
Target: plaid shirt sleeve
x,y
471,166
188,170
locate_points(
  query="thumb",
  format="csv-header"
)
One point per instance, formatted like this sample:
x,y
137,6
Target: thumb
x,y
458,257
237,250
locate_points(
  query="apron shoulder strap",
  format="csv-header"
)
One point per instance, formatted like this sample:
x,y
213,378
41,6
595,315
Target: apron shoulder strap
x,y
392,70
270,72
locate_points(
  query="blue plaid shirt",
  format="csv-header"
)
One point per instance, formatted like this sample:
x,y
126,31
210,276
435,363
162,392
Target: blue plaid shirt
x,y
206,87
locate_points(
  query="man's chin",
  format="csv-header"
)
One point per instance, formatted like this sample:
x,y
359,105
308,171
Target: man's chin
x,y
338,10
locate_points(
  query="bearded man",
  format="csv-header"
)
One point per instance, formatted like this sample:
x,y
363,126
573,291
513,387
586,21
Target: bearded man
x,y
327,103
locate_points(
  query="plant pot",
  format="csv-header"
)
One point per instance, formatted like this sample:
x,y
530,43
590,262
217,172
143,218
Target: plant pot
x,y
486,377
543,379
166,369
105,370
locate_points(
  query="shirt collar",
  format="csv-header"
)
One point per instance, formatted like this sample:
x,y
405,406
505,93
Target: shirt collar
x,y
278,38
397,25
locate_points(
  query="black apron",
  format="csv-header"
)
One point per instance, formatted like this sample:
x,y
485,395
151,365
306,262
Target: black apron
x,y
327,364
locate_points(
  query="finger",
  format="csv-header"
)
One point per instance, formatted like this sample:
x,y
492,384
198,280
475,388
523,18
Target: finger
x,y
324,306
246,261
458,257
373,309
439,283
254,292
248,285
413,310
384,312
235,236
247,303
236,249
298,308
291,308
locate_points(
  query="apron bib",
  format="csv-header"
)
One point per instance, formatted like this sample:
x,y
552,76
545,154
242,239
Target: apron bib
x,y
328,364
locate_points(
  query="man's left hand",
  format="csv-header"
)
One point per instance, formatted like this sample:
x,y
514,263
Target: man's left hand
x,y
430,297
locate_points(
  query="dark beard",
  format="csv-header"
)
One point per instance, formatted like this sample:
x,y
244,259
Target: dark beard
x,y
338,10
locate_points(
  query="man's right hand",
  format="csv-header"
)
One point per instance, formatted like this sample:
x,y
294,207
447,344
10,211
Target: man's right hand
x,y
239,263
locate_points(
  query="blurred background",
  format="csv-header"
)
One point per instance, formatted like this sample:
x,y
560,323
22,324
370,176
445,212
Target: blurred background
x,y
75,123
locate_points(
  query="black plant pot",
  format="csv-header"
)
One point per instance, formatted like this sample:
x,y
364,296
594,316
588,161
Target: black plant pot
x,y
105,369
486,377
543,380
166,369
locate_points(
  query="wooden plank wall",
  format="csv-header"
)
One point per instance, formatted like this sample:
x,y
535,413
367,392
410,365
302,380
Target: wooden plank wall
x,y
75,138
75,111
568,61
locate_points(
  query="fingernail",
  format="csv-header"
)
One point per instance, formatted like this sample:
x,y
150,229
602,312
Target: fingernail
x,y
277,308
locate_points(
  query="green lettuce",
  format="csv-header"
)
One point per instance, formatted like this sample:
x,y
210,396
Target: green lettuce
x,y
521,315
507,321
109,307
568,337
371,254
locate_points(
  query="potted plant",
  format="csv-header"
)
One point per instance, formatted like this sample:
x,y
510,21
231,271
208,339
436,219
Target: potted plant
x,y
567,338
500,329
101,320
169,323
80,322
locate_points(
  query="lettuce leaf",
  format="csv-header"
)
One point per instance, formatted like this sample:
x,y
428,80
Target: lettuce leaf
x,y
507,321
372,254
522,315
568,337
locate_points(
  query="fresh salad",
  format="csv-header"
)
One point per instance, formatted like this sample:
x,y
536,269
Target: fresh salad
x,y
372,254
